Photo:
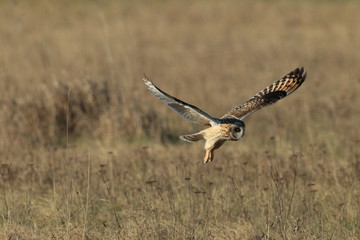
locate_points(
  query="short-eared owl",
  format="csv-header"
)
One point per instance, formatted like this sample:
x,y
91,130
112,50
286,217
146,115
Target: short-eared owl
x,y
230,126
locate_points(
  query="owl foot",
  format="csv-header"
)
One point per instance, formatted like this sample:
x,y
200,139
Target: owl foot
x,y
209,155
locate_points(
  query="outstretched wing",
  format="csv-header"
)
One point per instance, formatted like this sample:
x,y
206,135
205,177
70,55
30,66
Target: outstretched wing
x,y
270,95
188,111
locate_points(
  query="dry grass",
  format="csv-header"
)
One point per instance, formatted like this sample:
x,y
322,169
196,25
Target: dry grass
x,y
88,153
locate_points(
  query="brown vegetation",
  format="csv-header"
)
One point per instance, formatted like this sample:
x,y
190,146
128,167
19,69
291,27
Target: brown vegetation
x,y
88,153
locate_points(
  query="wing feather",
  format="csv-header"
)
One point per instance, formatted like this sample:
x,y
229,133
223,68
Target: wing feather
x,y
270,95
188,111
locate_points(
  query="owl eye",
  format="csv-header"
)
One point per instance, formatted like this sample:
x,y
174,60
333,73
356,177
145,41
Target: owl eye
x,y
237,129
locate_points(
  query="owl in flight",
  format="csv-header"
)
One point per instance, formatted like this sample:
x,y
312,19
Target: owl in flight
x,y
230,126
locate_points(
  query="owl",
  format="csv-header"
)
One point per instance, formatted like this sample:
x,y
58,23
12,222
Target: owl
x,y
229,127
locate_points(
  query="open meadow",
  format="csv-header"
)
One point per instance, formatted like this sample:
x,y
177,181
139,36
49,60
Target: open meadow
x,y
87,152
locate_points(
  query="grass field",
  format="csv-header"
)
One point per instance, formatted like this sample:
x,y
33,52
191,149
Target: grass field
x,y
86,152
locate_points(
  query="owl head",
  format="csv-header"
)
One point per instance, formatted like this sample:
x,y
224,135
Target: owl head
x,y
236,129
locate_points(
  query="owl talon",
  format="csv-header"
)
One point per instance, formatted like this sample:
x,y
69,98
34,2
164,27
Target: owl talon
x,y
209,156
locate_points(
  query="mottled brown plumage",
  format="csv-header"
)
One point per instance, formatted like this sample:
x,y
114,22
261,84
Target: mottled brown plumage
x,y
270,95
230,126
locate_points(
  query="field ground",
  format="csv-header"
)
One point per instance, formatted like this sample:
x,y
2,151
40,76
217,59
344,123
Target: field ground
x,y
88,153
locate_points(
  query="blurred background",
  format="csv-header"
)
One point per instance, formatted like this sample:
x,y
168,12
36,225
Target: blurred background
x,y
88,153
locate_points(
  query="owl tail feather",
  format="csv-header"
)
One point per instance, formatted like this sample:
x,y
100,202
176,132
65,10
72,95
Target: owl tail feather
x,y
192,137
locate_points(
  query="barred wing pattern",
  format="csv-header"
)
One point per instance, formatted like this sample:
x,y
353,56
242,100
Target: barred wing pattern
x,y
188,111
270,95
